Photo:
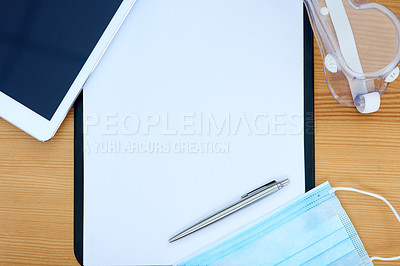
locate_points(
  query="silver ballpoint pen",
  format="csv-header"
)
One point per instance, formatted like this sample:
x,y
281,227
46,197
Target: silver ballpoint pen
x,y
246,200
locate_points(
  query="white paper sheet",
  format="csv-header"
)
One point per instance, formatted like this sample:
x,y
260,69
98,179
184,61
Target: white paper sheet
x,y
194,104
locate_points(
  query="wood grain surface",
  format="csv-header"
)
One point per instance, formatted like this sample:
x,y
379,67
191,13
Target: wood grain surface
x,y
360,151
36,197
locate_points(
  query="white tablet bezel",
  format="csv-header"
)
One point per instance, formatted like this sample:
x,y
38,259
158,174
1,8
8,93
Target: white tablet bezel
x,y
36,125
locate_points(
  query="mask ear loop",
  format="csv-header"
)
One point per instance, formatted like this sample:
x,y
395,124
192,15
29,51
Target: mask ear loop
x,y
378,197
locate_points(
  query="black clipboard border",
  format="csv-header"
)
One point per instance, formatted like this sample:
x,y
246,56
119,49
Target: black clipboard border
x,y
309,146
78,179
309,126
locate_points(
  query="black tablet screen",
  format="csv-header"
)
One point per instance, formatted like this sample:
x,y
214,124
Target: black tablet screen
x,y
44,44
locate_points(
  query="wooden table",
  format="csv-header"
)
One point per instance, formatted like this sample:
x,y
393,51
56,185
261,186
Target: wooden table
x,y
361,151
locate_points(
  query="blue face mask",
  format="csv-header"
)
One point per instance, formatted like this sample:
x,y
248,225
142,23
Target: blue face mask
x,y
311,230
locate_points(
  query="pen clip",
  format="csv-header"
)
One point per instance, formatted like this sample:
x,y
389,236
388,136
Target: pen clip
x,y
255,191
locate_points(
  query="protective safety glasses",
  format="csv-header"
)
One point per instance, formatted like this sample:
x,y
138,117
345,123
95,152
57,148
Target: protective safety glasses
x,y
359,42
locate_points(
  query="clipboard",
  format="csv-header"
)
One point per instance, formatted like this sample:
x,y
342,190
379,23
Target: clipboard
x,y
308,140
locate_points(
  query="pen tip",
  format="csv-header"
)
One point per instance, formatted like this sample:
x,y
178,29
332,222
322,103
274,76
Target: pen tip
x,y
177,237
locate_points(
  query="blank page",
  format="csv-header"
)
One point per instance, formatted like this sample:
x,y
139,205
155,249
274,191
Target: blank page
x,y
194,104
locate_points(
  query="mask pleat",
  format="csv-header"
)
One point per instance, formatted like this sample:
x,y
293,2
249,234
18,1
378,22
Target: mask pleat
x,y
332,254
318,247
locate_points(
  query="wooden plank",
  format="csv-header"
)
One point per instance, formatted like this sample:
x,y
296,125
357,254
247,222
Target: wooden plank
x,y
36,197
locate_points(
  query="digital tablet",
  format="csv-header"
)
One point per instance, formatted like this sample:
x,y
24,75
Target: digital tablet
x,y
48,49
